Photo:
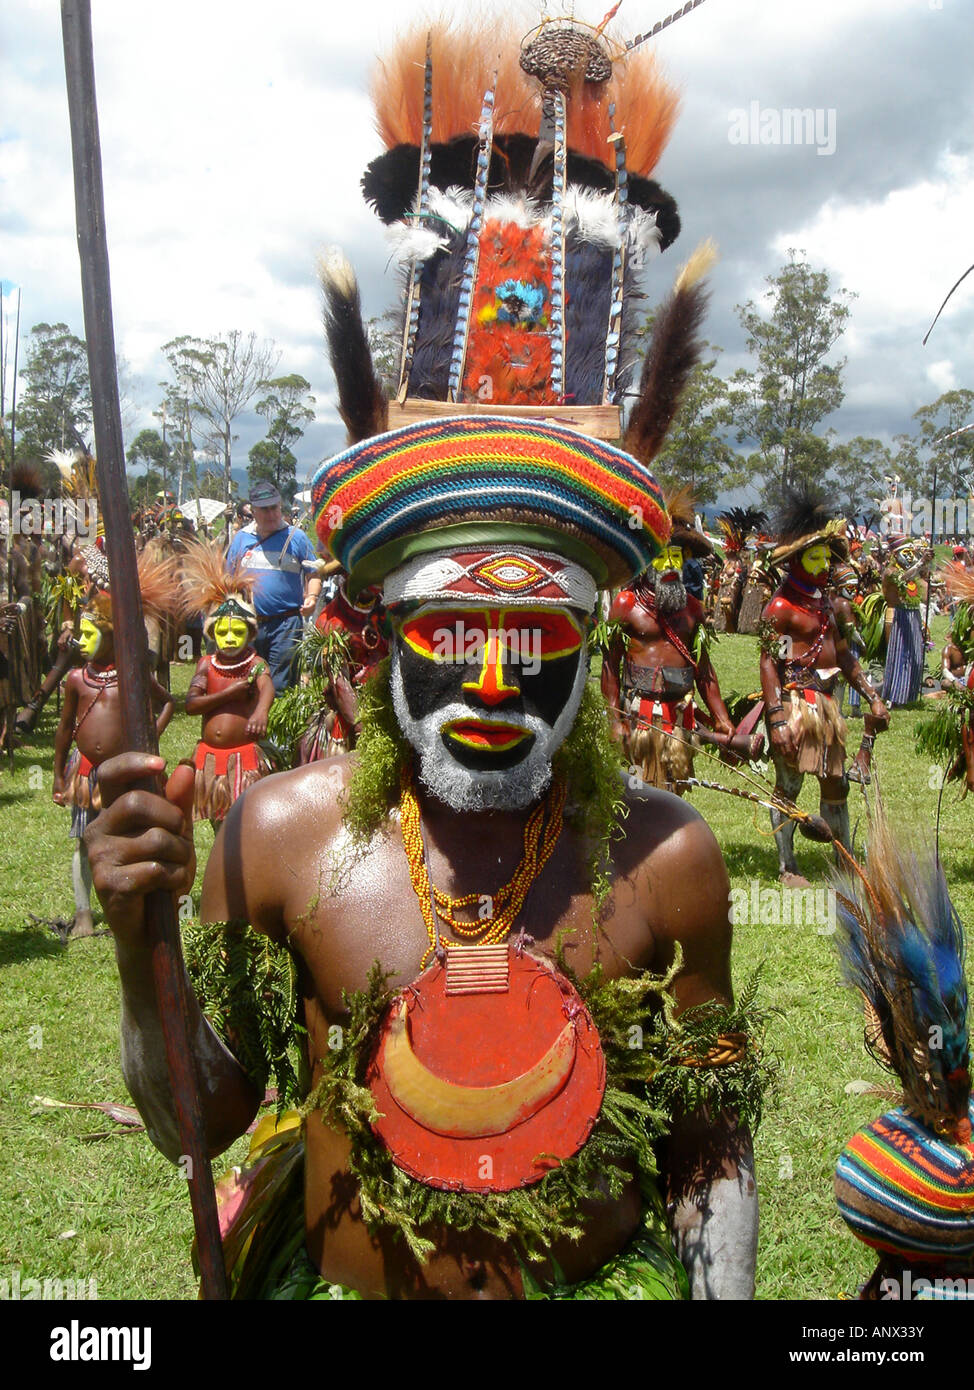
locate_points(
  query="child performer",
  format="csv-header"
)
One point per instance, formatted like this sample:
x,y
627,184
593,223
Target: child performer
x,y
232,688
91,718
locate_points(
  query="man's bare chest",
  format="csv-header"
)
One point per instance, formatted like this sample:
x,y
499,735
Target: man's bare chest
x,y
369,912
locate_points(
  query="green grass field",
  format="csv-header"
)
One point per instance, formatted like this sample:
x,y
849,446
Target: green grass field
x,y
76,1205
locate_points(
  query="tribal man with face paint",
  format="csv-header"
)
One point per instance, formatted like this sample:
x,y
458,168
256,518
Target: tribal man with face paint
x,y
803,655
91,719
656,660
459,854
232,688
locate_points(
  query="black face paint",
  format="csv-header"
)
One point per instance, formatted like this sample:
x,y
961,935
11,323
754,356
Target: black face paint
x,y
429,686
489,688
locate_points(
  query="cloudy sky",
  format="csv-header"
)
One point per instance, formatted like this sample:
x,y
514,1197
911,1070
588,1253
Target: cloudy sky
x,y
234,134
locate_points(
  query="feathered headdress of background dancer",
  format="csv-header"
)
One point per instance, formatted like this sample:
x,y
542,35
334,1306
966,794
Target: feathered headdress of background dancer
x,y
805,517
902,946
738,524
681,506
158,586
212,587
517,187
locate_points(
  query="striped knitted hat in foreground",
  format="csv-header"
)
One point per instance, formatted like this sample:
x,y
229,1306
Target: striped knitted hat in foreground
x,y
488,480
906,1192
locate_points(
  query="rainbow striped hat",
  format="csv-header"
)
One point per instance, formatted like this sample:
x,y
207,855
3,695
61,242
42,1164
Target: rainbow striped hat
x,y
907,1192
488,480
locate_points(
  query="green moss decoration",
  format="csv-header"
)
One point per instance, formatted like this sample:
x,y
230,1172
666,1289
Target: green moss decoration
x,y
320,656
939,737
769,639
380,756
588,761
247,988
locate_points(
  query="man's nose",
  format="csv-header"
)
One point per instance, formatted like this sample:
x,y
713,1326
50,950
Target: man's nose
x,y
490,687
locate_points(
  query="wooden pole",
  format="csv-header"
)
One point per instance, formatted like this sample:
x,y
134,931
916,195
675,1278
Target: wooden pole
x,y
138,725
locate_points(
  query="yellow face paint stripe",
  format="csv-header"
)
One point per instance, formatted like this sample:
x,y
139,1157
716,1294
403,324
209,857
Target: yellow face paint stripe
x,y
453,617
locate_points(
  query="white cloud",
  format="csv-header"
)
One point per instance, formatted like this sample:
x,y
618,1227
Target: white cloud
x,y
942,376
234,136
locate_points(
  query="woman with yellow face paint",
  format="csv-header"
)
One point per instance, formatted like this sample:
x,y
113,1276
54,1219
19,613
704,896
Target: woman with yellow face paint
x,y
231,689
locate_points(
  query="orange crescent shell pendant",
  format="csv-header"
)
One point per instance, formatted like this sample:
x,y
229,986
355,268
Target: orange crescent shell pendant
x,y
487,1092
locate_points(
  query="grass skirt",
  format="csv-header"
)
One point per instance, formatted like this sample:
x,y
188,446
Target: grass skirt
x,y
224,774
262,1222
821,733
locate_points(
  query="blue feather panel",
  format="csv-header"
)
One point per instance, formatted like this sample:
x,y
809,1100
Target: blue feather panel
x,y
908,961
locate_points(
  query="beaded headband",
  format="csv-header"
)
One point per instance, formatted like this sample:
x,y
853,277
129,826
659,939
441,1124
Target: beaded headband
x,y
491,481
233,606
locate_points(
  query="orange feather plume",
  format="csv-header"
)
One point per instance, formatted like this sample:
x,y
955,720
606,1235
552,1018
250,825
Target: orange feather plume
x,y
959,581
207,581
465,61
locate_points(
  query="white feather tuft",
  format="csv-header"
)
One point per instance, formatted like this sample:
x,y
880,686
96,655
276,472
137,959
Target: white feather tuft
x,y
454,207
642,234
64,460
335,273
512,208
413,243
593,216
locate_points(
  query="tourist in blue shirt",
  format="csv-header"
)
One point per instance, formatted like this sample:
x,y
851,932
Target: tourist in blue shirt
x,y
276,553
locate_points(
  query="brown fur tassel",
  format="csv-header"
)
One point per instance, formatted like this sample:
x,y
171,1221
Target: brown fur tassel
x,y
673,353
362,401
661,757
27,481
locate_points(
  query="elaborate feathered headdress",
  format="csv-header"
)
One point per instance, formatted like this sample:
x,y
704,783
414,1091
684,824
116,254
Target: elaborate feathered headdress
x,y
680,505
211,587
79,485
807,517
738,523
959,581
516,186
516,183
158,587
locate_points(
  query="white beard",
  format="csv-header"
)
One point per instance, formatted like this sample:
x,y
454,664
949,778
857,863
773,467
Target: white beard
x,y
466,789
671,596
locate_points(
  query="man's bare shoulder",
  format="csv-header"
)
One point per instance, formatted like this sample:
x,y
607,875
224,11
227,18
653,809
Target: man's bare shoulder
x,y
272,834
660,826
778,608
313,789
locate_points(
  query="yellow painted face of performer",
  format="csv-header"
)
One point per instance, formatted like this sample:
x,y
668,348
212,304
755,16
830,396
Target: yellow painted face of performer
x,y
231,634
90,639
669,562
817,560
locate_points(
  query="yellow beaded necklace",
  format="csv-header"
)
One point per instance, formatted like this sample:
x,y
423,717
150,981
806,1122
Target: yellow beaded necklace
x,y
539,843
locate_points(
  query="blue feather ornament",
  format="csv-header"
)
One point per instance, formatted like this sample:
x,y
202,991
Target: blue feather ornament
x,y
901,944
